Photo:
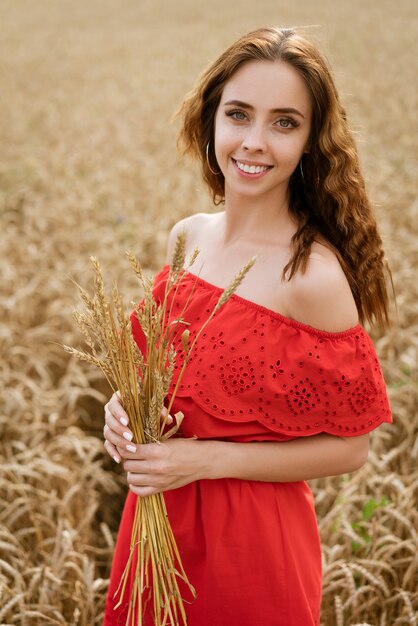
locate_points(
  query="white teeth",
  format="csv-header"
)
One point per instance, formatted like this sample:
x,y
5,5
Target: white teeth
x,y
251,169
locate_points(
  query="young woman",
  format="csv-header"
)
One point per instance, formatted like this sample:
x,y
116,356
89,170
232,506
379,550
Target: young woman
x,y
285,385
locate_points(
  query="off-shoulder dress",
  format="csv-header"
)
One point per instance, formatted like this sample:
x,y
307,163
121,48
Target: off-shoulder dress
x,y
251,549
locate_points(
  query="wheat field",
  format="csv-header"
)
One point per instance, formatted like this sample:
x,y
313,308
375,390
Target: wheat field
x,y
88,166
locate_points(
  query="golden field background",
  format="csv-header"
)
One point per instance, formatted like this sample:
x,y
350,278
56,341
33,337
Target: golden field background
x,y
88,165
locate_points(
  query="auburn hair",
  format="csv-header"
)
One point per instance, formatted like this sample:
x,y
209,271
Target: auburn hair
x,y
329,199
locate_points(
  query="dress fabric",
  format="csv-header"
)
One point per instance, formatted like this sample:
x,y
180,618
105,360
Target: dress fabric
x,y
251,549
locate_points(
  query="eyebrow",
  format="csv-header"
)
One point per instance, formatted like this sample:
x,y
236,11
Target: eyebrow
x,y
245,105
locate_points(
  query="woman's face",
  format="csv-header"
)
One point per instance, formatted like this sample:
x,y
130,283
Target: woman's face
x,y
262,128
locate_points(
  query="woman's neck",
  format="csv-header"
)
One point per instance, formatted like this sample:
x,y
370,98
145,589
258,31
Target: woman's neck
x,y
257,219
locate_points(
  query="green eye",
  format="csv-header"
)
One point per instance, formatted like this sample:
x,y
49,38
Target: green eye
x,y
286,122
237,115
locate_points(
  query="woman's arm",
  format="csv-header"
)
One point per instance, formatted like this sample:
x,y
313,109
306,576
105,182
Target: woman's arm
x,y
299,459
158,467
178,462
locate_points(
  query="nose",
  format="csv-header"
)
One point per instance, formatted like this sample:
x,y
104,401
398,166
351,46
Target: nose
x,y
254,139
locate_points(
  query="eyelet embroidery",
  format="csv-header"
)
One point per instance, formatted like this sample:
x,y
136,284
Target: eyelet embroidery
x,y
291,378
302,397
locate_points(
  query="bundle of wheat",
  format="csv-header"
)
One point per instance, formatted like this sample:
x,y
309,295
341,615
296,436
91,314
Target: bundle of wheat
x,y
143,383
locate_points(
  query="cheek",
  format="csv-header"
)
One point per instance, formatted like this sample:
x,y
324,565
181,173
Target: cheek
x,y
291,149
226,140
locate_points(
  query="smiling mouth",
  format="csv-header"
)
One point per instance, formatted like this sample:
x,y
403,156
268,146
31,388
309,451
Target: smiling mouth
x,y
251,169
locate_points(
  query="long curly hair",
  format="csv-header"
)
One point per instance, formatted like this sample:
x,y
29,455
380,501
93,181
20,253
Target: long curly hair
x,y
327,196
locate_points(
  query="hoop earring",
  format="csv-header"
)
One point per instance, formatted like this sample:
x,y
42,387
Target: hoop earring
x,y
301,169
207,160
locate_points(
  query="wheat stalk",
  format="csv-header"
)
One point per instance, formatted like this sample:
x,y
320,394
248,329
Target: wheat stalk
x,y
143,382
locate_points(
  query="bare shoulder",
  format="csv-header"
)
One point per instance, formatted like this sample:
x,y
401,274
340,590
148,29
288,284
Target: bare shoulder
x,y
321,297
191,225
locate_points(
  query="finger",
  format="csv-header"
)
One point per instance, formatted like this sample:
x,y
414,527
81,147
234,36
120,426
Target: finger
x,y
114,406
141,467
144,484
117,440
142,492
165,416
125,454
112,451
142,480
117,427
149,452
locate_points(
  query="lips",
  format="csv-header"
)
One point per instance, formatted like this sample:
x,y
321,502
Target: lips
x,y
253,169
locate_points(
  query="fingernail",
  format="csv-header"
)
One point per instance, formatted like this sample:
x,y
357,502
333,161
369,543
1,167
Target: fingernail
x,y
115,458
128,436
123,421
131,448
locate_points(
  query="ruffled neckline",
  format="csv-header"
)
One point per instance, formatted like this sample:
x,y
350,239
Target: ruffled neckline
x,y
250,304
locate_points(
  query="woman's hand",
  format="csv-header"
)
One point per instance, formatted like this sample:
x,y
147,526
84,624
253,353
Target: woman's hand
x,y
118,436
152,467
171,464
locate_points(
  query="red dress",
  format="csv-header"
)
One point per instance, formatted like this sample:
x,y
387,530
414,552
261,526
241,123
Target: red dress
x,y
250,548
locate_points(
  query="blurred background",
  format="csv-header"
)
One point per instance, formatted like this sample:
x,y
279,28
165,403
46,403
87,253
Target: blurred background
x,y
88,165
